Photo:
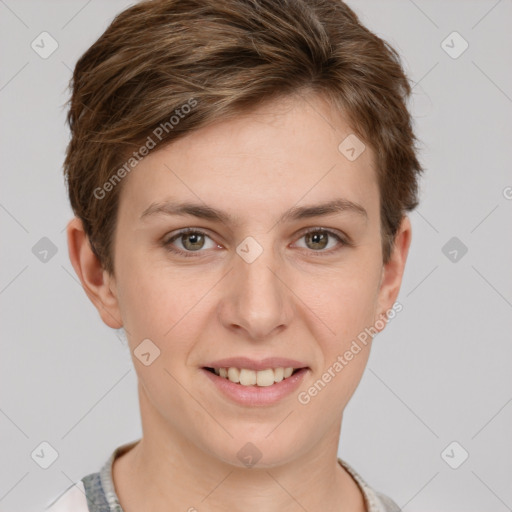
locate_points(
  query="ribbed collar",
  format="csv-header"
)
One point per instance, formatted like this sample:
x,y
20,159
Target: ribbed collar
x,y
372,501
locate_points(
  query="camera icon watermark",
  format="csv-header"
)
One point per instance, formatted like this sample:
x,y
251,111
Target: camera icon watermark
x,y
44,45
44,455
454,455
249,249
454,45
44,250
454,249
249,454
351,147
146,352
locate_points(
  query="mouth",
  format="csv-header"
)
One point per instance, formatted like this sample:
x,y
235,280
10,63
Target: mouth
x,y
250,381
261,387
258,378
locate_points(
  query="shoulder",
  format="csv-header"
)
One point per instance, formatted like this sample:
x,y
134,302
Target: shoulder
x,y
95,492
87,495
388,504
375,501
73,499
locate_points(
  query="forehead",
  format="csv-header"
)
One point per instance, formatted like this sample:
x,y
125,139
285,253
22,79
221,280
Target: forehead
x,y
265,161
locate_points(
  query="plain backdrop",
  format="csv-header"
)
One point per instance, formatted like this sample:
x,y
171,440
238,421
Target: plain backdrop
x,y
430,424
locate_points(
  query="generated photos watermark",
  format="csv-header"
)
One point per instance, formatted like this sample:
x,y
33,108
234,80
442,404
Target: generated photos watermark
x,y
305,397
151,141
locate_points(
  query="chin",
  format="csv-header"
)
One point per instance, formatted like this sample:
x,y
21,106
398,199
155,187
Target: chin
x,y
258,450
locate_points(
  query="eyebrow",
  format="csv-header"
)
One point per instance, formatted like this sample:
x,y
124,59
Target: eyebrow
x,y
203,211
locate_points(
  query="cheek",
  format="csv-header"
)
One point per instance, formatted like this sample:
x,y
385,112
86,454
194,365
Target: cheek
x,y
160,307
153,295
344,300
346,309
170,308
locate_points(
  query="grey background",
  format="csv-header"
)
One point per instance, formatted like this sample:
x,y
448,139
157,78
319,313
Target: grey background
x,y
439,373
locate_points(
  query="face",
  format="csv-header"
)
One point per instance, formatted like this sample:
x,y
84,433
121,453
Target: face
x,y
271,283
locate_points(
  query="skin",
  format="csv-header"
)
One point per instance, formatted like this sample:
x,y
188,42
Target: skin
x,y
297,299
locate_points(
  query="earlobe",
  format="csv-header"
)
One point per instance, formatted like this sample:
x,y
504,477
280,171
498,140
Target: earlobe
x,y
98,284
393,270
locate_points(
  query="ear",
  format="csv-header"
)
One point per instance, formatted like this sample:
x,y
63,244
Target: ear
x,y
393,270
98,284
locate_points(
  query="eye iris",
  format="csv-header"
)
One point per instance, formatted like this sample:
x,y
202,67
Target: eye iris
x,y
194,241
316,238
195,237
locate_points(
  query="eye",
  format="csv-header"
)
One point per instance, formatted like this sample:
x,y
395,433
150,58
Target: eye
x,y
317,239
192,240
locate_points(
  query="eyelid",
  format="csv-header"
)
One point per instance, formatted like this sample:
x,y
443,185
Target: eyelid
x,y
342,238
167,241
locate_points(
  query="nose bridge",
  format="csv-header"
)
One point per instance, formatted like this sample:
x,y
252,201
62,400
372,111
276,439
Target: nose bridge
x,y
259,296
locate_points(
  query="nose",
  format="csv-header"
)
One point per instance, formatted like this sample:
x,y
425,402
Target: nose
x,y
256,302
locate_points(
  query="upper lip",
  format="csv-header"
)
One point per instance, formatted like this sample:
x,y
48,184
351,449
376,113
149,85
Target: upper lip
x,y
253,364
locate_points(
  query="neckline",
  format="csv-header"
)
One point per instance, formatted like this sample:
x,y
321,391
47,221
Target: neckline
x,y
371,501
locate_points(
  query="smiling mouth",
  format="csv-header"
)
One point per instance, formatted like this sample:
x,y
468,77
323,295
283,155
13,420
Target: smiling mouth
x,y
261,378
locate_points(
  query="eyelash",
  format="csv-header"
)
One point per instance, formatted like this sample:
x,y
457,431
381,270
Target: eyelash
x,y
193,254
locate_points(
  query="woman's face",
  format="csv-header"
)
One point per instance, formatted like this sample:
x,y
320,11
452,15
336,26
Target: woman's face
x,y
254,285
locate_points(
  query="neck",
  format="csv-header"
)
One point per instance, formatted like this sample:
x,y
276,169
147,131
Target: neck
x,y
165,471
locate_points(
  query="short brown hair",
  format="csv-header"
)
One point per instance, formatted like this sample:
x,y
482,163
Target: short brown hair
x,y
222,58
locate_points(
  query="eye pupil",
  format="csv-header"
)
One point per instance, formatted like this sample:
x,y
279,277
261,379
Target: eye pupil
x,y
318,238
195,237
194,241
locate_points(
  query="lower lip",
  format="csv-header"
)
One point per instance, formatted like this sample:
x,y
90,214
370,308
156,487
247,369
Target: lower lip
x,y
257,395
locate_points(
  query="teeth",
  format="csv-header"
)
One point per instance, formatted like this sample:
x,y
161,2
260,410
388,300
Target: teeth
x,y
251,377
234,374
247,377
265,377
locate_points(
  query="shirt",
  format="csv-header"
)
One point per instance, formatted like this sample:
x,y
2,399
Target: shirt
x,y
96,493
